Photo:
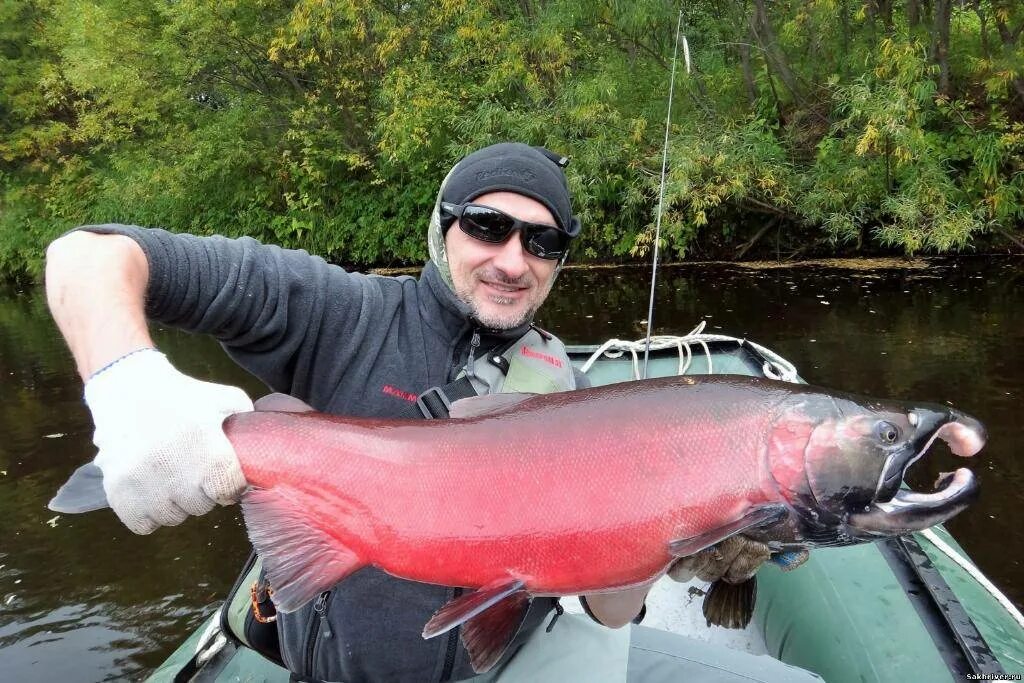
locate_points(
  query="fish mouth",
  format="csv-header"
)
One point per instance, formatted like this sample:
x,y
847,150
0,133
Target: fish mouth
x,y
909,511
964,435
896,510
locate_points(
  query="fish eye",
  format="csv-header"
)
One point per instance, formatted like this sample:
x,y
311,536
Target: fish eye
x,y
887,432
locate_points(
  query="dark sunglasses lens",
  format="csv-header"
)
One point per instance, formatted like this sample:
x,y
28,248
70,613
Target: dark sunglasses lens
x,y
491,225
485,224
549,243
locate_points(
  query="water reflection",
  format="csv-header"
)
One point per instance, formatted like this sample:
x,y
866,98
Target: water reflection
x,y
82,599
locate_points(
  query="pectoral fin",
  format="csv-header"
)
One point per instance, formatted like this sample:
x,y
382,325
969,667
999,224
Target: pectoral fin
x,y
492,616
758,517
281,403
788,561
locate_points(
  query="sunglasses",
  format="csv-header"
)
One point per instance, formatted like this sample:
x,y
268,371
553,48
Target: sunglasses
x,y
491,225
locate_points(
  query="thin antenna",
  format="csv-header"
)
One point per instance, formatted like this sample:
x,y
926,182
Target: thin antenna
x,y
661,190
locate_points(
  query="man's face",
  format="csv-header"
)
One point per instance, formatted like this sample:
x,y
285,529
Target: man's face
x,y
502,283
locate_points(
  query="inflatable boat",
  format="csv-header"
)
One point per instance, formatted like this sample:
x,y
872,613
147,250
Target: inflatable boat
x,y
911,608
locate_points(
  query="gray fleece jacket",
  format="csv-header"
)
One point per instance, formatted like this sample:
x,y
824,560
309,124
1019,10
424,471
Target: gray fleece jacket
x,y
346,343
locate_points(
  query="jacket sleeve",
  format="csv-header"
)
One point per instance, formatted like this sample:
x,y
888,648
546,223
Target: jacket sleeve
x,y
269,307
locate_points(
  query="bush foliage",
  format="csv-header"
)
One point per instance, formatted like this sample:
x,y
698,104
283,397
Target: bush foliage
x,y
816,125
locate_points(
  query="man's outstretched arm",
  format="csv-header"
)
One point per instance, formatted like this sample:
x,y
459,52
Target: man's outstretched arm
x,y
96,290
161,446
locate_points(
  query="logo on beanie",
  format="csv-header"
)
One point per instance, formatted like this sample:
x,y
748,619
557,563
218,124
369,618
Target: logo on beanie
x,y
525,174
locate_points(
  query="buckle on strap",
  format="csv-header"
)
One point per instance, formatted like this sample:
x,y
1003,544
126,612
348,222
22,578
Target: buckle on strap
x,y
434,403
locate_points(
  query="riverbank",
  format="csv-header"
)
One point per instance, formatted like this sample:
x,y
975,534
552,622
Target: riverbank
x,y
839,263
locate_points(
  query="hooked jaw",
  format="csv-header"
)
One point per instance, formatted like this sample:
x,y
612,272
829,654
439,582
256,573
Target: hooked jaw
x,y
896,510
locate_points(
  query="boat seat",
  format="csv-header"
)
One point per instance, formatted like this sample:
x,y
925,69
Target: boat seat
x,y
657,656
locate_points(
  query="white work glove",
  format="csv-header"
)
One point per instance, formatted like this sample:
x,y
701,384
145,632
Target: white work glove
x,y
161,445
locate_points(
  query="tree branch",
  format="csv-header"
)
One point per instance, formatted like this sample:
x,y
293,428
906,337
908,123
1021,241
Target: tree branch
x,y
744,248
643,46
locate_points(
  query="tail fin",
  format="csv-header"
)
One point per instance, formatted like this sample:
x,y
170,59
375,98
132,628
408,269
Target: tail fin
x,y
82,492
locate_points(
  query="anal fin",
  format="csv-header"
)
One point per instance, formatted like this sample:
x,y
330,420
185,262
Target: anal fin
x,y
491,618
760,516
730,605
487,635
300,559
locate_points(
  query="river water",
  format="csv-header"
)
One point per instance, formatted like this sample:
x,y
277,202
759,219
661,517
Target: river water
x,y
82,599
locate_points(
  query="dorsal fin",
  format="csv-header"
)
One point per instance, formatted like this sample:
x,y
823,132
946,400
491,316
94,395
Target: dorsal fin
x,y
488,404
282,403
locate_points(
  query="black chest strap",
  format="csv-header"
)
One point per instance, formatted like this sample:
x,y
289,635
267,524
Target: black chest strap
x,y
436,402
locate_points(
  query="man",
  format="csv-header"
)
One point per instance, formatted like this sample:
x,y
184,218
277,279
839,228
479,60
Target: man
x,y
345,343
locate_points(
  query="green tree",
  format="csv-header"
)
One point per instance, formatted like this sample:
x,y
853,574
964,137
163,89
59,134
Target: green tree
x,y
801,126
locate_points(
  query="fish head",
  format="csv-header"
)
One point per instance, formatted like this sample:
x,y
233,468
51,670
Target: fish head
x,y
855,454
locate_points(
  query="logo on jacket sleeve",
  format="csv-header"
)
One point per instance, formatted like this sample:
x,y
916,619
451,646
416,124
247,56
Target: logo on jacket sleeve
x,y
399,393
550,360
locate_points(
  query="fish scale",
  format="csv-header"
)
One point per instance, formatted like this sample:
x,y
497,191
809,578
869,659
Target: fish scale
x,y
479,501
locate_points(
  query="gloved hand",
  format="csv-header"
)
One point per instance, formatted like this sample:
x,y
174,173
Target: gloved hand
x,y
734,560
161,445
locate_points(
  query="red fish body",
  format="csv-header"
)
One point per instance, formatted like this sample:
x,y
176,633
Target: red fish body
x,y
580,492
569,495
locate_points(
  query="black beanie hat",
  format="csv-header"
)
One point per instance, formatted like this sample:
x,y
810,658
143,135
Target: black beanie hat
x,y
513,167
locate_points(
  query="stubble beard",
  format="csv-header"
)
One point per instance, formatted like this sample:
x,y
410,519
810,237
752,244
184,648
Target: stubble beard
x,y
498,321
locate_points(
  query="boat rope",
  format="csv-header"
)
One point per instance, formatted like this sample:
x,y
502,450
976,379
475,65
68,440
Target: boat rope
x,y
975,573
774,366
661,188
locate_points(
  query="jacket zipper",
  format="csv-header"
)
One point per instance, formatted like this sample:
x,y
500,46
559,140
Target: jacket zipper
x,y
453,635
453,646
474,344
319,607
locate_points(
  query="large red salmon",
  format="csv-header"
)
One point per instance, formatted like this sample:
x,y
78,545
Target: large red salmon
x,y
581,492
